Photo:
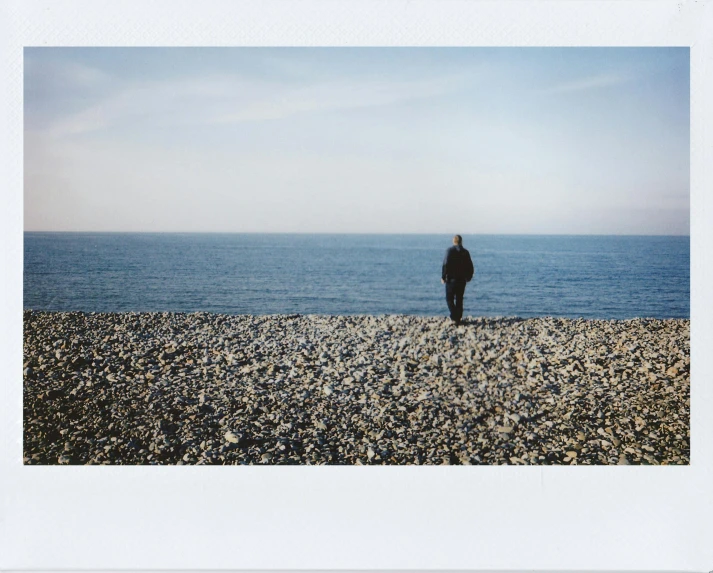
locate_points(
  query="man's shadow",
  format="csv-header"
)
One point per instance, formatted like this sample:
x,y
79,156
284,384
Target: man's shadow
x,y
501,320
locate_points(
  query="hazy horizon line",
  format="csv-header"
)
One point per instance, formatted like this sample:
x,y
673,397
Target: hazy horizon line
x,y
360,233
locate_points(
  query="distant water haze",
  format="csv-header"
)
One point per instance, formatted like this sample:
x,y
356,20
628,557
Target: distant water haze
x,y
606,277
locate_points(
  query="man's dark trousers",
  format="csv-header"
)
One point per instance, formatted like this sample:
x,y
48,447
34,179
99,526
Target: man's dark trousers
x,y
455,288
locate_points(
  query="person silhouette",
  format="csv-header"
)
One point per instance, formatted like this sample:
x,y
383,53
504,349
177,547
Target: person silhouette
x,y
456,271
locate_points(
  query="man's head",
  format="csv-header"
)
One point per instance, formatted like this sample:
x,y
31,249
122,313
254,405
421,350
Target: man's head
x,y
458,240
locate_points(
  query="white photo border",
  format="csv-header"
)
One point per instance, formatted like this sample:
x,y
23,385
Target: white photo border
x,y
514,518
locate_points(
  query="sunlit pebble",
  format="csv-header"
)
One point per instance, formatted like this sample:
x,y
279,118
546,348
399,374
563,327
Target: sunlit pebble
x,y
167,388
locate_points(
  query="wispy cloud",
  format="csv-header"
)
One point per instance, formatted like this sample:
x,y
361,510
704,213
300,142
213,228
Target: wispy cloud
x,y
174,102
588,83
230,99
335,96
62,81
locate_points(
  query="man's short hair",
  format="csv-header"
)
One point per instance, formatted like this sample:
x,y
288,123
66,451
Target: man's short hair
x,y
458,239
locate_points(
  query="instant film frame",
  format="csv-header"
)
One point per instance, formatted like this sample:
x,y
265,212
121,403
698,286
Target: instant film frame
x,y
596,518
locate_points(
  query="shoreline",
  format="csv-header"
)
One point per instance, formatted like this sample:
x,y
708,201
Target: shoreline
x,y
202,388
282,315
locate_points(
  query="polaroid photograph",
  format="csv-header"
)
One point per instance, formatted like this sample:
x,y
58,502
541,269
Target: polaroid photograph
x,y
414,296
232,256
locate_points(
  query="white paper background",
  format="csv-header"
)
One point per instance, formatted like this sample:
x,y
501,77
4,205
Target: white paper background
x,y
623,518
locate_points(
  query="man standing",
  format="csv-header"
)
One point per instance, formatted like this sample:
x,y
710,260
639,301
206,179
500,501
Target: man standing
x,y
457,270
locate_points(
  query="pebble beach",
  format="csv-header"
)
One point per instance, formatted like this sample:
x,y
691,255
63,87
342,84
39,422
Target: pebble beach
x,y
199,388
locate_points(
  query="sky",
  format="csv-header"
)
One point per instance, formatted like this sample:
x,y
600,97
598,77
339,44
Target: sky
x,y
358,140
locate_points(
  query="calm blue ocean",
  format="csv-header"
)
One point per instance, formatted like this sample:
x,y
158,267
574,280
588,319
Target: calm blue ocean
x,y
565,276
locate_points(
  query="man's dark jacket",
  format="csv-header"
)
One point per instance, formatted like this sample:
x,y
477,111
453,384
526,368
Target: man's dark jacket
x,y
457,264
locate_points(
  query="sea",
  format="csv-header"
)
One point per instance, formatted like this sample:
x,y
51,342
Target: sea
x,y
600,277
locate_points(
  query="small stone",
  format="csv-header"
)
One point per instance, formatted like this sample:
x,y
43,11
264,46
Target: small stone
x,y
572,454
265,458
231,437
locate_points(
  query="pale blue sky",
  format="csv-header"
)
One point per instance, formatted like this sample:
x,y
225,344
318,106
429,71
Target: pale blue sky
x,y
389,140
